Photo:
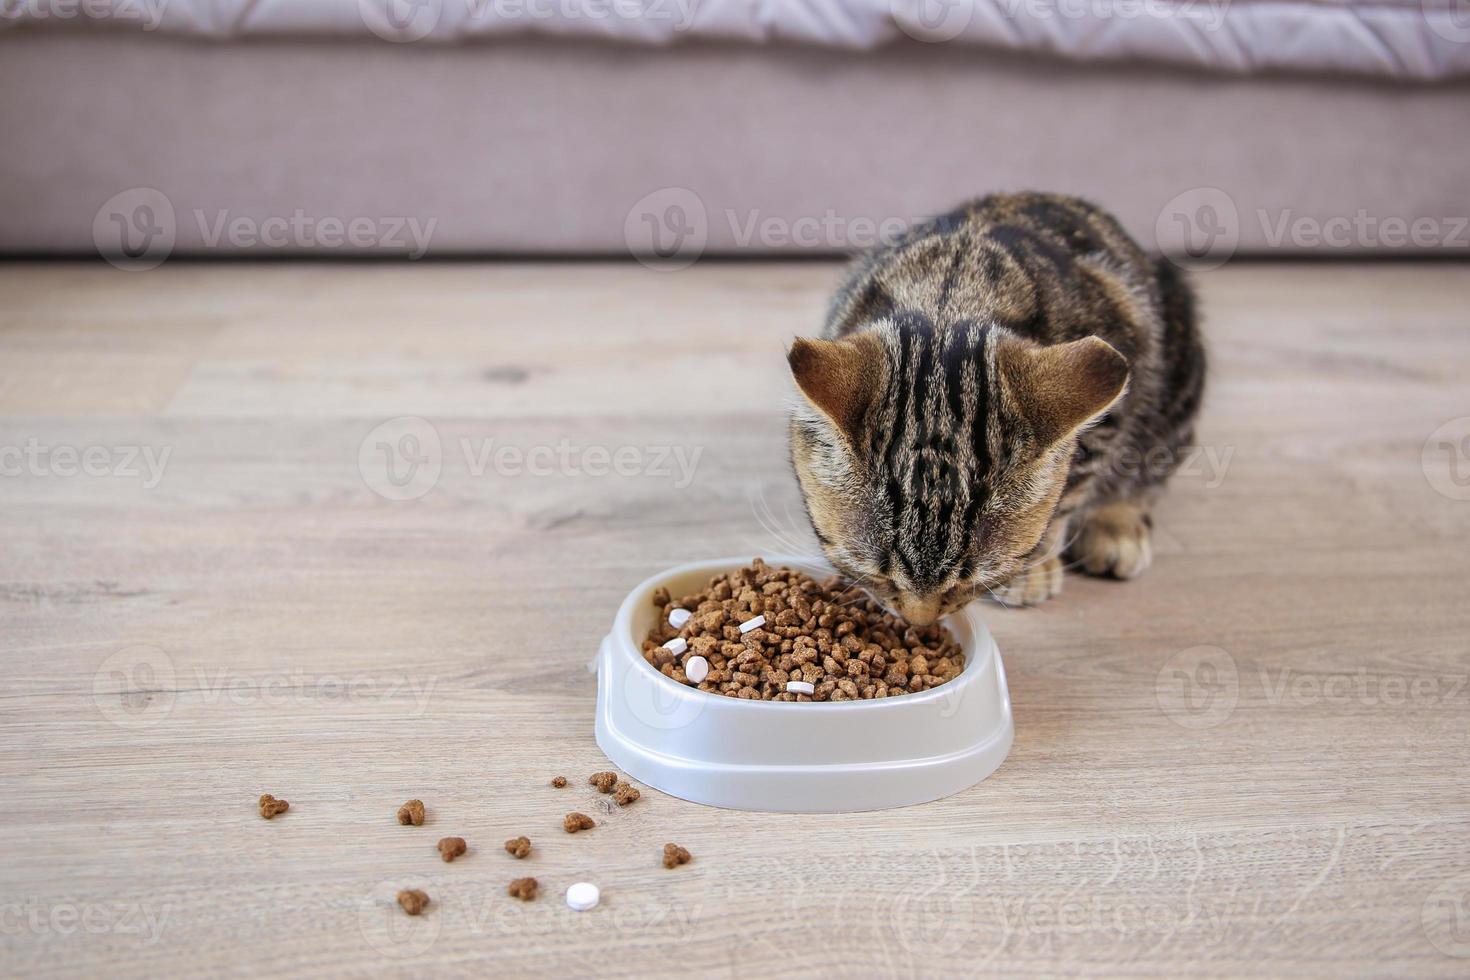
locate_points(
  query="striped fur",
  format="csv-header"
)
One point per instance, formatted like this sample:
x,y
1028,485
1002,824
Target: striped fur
x,y
962,448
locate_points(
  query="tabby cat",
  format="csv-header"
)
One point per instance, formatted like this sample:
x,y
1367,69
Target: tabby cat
x,y
1007,385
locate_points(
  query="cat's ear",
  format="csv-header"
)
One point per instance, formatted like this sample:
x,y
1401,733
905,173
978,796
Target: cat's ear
x,y
839,377
1059,389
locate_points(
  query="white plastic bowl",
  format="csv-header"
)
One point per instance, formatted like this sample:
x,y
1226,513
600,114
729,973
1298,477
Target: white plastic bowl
x,y
826,757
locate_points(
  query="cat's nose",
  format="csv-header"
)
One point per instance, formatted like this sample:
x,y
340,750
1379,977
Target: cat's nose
x,y
919,610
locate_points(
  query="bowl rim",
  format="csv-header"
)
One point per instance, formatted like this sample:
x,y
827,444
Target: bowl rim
x,y
981,644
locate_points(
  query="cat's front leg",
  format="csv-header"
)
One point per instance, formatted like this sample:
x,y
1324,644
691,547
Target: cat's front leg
x,y
1032,585
1040,577
1115,540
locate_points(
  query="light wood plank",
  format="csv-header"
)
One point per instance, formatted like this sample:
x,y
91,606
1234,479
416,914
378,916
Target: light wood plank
x,y
346,652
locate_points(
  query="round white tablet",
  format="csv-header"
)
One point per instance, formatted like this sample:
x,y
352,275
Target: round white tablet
x,y
678,617
583,896
696,668
676,646
800,687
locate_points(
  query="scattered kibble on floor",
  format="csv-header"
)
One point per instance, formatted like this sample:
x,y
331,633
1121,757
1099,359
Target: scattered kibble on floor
x,y
451,848
674,855
604,781
519,846
270,807
558,781
574,822
523,888
412,813
413,900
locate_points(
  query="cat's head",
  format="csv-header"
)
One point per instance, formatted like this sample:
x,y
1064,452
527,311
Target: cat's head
x,y
932,464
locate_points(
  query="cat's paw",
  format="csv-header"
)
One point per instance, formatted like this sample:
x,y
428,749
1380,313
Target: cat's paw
x,y
1037,584
1115,541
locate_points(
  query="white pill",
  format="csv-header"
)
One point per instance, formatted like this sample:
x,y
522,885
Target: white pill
x,y
676,646
800,687
678,617
751,624
696,668
583,896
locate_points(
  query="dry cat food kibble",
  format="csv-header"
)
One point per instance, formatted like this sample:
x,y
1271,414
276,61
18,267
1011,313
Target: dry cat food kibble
x,y
624,794
412,812
604,781
452,847
558,781
574,822
760,628
270,807
674,855
523,888
519,846
413,900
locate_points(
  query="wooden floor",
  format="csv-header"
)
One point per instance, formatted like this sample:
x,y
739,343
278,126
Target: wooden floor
x,y
1253,760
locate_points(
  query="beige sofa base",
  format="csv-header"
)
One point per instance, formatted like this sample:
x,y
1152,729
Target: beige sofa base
x,y
549,147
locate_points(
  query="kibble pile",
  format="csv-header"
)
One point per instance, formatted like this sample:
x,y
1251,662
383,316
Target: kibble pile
x,y
826,635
